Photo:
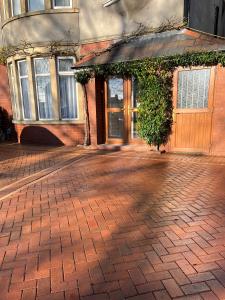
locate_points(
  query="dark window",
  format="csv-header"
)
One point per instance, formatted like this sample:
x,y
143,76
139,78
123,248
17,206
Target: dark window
x,y
216,22
187,10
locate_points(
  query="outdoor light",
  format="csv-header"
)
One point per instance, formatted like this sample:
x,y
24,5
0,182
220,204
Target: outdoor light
x,y
110,2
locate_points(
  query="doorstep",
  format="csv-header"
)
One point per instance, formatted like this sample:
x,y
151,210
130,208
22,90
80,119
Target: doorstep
x,y
129,147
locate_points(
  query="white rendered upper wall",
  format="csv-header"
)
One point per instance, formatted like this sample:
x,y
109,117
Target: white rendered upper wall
x,y
90,22
99,22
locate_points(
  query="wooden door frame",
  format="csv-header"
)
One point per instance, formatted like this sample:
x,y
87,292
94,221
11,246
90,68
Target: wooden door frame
x,y
128,109
124,140
131,109
210,108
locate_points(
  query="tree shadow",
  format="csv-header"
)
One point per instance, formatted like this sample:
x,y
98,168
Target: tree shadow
x,y
99,225
7,128
39,136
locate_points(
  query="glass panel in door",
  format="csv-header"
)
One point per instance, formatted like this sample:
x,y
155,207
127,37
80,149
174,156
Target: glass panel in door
x,y
134,109
115,125
115,93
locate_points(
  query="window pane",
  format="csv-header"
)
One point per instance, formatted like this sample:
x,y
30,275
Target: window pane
x,y
24,88
68,97
116,124
36,5
65,65
12,83
134,92
25,98
115,93
193,89
44,97
23,68
43,88
16,9
42,66
62,3
134,133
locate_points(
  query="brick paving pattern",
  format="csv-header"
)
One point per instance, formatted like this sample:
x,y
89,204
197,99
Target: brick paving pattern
x,y
117,226
18,162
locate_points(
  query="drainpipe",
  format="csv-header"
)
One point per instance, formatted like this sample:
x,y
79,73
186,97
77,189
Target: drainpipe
x,y
87,139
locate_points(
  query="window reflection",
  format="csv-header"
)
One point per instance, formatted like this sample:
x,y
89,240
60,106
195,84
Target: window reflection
x,y
115,93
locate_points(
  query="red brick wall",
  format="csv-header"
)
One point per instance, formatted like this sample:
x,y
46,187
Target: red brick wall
x,y
5,102
65,134
88,50
91,95
218,123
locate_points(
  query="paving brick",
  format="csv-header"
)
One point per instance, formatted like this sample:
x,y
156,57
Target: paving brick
x,y
172,288
137,276
220,275
217,288
150,287
195,288
201,277
206,267
29,294
148,296
128,288
162,295
209,296
158,276
92,232
179,276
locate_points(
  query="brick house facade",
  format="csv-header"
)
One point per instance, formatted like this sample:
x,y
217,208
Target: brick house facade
x,y
197,127
47,103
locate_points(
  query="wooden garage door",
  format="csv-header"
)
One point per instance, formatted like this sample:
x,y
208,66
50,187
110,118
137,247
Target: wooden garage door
x,y
193,108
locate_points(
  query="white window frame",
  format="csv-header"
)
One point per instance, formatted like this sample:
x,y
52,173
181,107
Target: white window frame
x,y
28,7
42,75
21,94
12,82
12,8
4,10
62,7
67,73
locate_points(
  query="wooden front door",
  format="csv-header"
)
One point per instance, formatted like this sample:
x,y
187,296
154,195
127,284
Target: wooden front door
x,y
120,110
193,108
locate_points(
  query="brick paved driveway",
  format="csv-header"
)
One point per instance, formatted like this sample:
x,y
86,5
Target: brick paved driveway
x,y
117,226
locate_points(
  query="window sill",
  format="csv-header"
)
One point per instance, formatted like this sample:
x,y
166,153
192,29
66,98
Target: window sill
x,y
49,122
41,12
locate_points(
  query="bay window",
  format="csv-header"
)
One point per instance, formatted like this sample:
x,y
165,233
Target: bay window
x,y
24,89
67,88
62,3
43,88
45,93
15,7
34,5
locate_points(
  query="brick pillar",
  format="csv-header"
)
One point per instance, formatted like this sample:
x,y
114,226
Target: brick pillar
x,y
91,96
18,129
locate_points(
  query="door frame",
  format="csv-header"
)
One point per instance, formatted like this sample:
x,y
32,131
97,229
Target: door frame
x,y
124,110
210,109
127,110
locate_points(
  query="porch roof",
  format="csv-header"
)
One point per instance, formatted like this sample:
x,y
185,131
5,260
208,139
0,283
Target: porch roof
x,y
155,45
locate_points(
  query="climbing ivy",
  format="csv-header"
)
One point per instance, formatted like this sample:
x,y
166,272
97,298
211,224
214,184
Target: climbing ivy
x,y
155,81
